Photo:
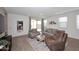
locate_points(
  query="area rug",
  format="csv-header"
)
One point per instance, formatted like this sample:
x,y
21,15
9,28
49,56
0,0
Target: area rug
x,y
37,45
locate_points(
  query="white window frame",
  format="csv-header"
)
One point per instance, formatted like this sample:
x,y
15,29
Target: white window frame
x,y
63,20
77,22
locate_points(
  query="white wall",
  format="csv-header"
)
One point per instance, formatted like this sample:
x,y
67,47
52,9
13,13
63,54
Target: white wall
x,y
71,26
12,24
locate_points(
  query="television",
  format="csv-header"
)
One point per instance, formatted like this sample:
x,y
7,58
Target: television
x,y
2,29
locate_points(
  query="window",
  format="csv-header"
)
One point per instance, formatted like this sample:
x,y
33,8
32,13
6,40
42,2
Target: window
x,y
33,24
39,22
45,23
39,30
63,22
77,22
39,25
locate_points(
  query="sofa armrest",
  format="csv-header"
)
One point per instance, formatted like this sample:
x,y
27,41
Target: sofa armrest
x,y
65,38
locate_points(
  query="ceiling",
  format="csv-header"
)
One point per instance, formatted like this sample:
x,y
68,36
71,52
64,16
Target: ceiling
x,y
40,11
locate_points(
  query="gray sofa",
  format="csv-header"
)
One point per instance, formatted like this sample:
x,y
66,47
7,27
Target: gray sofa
x,y
33,33
49,31
57,41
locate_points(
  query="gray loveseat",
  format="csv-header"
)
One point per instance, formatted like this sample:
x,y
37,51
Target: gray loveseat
x,y
33,33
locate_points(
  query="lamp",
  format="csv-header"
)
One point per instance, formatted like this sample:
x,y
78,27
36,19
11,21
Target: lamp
x,y
52,22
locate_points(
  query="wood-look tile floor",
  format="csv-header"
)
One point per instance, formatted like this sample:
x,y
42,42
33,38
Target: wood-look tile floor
x,y
73,45
21,44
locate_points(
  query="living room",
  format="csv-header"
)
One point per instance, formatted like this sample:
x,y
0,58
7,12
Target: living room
x,y
32,28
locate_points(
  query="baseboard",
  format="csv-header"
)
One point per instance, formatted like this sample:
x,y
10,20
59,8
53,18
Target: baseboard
x,y
73,38
20,36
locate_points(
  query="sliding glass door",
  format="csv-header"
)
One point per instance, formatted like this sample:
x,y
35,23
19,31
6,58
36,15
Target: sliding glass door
x,y
40,25
33,24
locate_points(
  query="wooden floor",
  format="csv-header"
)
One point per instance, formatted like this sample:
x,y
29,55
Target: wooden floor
x,y
21,44
73,44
